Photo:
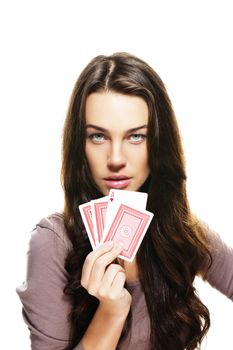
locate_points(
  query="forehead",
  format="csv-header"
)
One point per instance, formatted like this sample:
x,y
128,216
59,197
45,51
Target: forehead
x,y
114,110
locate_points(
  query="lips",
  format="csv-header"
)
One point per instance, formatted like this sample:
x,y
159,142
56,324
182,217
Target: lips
x,y
117,177
117,181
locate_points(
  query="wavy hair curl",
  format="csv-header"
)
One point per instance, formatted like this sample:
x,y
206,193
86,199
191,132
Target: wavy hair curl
x,y
175,249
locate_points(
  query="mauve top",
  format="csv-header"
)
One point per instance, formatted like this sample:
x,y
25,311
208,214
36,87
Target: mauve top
x,y
45,307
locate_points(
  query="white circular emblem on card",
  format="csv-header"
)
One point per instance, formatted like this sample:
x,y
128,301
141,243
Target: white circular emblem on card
x,y
126,231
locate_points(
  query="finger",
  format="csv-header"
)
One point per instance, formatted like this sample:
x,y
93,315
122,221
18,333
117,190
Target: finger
x,y
117,287
112,286
110,274
99,267
90,259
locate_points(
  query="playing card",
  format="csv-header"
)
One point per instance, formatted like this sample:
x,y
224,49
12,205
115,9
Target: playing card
x,y
133,199
98,209
129,227
86,214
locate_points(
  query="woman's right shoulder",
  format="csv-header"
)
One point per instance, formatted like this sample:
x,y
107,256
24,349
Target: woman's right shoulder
x,y
51,229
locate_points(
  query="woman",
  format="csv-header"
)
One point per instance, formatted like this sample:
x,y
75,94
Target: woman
x,y
121,132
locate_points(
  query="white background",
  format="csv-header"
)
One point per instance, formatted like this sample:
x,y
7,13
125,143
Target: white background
x,y
44,46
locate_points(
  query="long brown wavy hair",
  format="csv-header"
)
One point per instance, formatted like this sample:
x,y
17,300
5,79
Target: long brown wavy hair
x,y
175,249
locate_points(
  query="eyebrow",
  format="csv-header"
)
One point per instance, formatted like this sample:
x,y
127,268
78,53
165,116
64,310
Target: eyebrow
x,y
105,130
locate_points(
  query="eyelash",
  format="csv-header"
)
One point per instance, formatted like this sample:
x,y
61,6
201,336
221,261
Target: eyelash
x,y
92,136
142,137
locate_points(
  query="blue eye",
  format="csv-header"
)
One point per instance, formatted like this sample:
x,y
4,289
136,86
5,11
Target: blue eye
x,y
97,137
137,138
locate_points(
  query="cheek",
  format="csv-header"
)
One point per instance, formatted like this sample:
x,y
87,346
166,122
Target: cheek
x,y
141,159
89,157
144,165
93,158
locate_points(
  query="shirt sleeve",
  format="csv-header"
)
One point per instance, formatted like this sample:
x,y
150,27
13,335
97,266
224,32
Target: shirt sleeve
x,y
220,274
45,306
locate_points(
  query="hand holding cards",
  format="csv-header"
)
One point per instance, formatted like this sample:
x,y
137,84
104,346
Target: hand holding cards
x,y
118,217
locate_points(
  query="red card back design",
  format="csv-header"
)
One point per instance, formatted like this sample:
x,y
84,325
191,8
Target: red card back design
x,y
129,226
86,213
100,213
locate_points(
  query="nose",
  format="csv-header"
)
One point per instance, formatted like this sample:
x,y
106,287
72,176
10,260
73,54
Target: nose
x,y
116,158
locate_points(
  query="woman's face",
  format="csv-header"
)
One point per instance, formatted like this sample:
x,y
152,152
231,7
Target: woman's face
x,y
116,140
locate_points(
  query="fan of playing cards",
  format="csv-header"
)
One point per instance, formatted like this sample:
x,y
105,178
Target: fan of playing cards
x,y
118,217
